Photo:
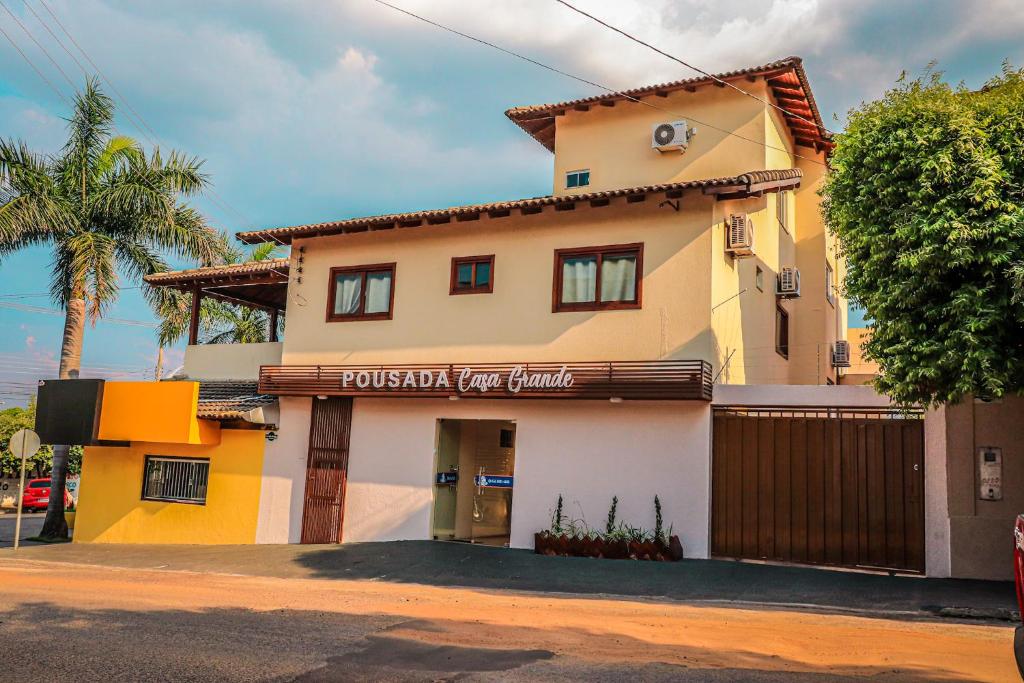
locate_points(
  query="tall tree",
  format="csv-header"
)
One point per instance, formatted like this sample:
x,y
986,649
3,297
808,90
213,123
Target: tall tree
x,y
926,197
221,322
104,206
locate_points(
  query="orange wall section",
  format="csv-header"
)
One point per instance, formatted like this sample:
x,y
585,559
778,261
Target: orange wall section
x,y
161,412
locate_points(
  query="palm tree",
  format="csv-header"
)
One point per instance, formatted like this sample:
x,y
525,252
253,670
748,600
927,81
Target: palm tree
x,y
105,207
223,323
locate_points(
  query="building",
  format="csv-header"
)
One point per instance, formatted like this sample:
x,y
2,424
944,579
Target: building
x,y
660,324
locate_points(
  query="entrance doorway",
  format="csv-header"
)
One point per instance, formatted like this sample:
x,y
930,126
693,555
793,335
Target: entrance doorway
x,y
475,468
326,470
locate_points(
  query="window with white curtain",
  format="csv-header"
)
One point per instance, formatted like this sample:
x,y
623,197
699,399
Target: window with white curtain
x,y
595,278
361,293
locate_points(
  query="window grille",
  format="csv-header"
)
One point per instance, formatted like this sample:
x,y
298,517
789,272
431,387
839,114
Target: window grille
x,y
178,480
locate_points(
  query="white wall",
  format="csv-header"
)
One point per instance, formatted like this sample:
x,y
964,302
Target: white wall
x,y
230,361
841,396
284,475
586,450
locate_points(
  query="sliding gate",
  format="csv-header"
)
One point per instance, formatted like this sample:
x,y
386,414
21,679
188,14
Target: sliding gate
x,y
819,486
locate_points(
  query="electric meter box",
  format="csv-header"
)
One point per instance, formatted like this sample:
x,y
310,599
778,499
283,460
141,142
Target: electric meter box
x,y
990,473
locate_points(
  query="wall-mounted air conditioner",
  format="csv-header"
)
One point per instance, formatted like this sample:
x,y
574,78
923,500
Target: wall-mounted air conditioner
x,y
788,283
739,235
841,354
673,136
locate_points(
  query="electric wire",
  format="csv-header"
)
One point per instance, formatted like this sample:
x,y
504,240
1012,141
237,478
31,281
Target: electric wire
x,y
702,72
612,91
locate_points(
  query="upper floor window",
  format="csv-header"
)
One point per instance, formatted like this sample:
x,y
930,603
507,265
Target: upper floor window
x,y
830,294
472,275
782,209
781,332
597,278
580,178
361,293
759,278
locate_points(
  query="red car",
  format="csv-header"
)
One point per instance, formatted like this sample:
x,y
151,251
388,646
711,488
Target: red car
x,y
37,495
1018,575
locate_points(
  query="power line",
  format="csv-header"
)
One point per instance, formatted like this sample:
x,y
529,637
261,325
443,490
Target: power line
x,y
35,68
613,91
141,125
713,77
50,311
38,44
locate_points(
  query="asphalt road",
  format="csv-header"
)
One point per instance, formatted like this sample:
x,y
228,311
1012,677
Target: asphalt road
x,y
31,525
130,624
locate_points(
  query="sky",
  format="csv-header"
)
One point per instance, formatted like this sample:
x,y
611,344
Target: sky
x,y
312,110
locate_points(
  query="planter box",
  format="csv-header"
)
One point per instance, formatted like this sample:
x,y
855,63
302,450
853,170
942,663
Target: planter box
x,y
546,543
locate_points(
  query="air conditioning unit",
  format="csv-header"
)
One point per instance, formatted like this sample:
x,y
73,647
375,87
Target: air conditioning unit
x,y
788,283
673,136
739,235
841,354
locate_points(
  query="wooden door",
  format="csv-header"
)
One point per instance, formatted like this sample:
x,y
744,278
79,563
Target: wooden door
x,y
819,487
326,470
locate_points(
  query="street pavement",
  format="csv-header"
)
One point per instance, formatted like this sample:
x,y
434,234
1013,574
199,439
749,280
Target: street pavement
x,y
31,525
67,622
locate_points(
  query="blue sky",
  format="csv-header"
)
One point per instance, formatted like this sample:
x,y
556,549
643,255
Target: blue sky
x,y
312,110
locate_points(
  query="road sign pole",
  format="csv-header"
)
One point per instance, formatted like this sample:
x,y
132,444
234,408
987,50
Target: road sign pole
x,y
24,444
21,491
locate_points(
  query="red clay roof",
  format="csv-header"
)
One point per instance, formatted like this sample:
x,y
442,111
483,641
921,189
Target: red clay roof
x,y
786,78
745,184
271,267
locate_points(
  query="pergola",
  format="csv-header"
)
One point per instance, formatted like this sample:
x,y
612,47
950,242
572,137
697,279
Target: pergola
x,y
256,284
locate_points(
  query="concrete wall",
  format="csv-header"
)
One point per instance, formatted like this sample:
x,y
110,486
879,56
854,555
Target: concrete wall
x,y
588,451
230,361
515,322
284,475
110,508
981,531
615,142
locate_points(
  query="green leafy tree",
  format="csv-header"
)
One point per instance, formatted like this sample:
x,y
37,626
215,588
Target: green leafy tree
x,y
925,198
15,419
105,206
219,321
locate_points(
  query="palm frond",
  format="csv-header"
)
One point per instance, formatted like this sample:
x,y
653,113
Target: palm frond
x,y
264,252
118,149
89,128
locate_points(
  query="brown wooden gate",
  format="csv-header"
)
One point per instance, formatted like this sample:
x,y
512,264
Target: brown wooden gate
x,y
828,487
326,470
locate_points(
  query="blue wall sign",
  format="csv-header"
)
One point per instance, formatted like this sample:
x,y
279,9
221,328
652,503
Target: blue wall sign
x,y
493,481
447,477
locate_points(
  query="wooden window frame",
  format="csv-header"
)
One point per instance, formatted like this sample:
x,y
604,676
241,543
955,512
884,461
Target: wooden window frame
x,y
457,261
332,287
600,252
784,352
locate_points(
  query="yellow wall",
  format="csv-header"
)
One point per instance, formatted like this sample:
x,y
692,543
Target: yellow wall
x,y
111,509
154,411
515,322
686,270
615,142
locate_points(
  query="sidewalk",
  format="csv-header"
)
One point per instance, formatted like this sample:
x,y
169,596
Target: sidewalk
x,y
456,564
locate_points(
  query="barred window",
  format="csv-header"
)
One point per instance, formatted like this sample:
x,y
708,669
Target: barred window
x,y
177,480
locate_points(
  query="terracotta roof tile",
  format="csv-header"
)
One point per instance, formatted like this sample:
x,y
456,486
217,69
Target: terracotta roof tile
x,y
230,400
247,268
538,120
531,206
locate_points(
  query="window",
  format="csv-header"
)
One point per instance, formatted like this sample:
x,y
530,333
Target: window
x,y
782,209
759,278
361,293
177,480
40,484
472,275
579,178
781,332
507,438
829,286
598,278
